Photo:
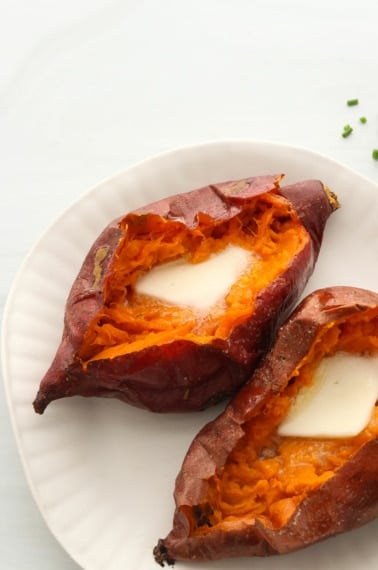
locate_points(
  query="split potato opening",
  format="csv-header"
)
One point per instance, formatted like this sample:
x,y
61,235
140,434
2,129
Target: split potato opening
x,y
170,282
299,439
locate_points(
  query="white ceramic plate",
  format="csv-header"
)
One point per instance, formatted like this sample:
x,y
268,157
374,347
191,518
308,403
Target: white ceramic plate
x,y
101,472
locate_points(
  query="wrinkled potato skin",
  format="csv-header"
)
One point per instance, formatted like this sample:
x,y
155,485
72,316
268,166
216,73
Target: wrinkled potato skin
x,y
346,501
83,302
183,376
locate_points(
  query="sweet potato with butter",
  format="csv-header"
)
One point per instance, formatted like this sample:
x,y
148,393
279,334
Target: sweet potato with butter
x,y
170,356
246,489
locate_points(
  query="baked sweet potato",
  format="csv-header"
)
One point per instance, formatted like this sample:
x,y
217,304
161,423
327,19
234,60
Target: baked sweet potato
x,y
245,489
164,356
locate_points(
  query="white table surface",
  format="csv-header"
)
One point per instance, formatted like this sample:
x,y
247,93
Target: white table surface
x,y
89,87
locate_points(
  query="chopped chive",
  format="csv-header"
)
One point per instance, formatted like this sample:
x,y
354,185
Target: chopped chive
x,y
363,120
374,154
347,131
352,102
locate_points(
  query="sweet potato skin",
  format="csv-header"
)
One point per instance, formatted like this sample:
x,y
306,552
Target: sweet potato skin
x,y
347,500
182,375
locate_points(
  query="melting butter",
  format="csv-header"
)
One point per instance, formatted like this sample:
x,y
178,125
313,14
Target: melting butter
x,y
198,285
340,401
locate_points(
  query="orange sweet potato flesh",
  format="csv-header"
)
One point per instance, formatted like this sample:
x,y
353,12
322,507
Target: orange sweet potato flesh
x,y
244,490
166,358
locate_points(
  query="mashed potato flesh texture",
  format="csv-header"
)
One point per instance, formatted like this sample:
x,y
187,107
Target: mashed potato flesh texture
x,y
268,473
246,252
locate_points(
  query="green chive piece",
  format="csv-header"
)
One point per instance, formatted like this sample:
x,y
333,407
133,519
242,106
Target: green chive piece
x,y
363,120
347,131
374,154
352,102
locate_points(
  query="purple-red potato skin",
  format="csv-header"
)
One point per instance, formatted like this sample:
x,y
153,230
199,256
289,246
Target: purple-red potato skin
x,y
347,500
183,375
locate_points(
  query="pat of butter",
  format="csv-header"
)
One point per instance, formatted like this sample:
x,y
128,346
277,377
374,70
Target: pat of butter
x,y
199,285
340,401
